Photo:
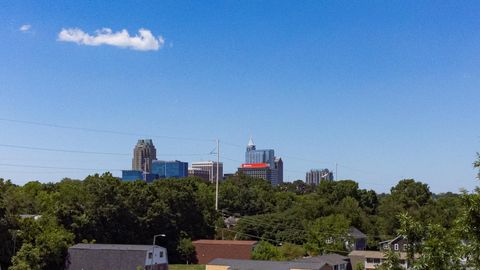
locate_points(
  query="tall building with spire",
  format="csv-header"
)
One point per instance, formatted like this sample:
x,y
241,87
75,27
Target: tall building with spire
x,y
143,155
252,155
262,164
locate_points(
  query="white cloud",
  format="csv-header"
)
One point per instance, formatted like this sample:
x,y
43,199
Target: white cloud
x,y
24,28
144,41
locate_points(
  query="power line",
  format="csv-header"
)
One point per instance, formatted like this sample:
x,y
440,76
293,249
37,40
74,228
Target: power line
x,y
85,152
54,167
103,130
61,150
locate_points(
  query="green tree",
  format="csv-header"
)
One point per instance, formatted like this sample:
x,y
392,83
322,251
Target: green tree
x,y
186,250
327,234
289,252
265,251
46,240
7,234
391,262
414,233
440,250
27,258
360,266
469,223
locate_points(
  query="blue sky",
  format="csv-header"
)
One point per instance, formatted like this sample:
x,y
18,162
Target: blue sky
x,y
386,89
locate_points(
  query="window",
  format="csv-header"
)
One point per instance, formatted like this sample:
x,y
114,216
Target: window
x,y
343,267
161,254
369,260
395,247
335,267
375,260
150,255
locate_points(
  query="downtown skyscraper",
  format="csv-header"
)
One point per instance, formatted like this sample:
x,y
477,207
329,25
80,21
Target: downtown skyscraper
x,y
143,155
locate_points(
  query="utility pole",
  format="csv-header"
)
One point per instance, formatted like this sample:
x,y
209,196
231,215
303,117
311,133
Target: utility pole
x,y
218,172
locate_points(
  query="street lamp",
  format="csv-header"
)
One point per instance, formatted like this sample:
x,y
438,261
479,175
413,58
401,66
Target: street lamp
x,y
153,247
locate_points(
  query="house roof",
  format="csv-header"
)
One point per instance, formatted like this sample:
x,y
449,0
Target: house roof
x,y
330,259
374,254
226,242
356,233
266,265
391,240
113,247
107,256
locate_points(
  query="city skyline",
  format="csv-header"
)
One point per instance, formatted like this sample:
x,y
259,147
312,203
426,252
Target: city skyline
x,y
388,90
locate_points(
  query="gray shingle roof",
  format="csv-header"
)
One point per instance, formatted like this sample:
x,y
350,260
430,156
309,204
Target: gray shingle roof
x,y
112,247
107,256
356,233
330,259
266,265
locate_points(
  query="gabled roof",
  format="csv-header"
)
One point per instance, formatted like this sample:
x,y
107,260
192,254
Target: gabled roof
x,y
391,240
356,233
266,265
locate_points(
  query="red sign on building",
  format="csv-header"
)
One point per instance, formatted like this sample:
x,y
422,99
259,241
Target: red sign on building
x,y
255,165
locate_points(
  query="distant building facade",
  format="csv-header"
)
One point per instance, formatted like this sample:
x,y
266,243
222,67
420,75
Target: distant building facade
x,y
169,169
197,172
143,155
278,171
118,257
262,164
314,177
258,170
211,168
398,244
133,175
370,260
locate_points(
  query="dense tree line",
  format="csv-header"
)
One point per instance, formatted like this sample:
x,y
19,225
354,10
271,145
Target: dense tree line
x,y
291,220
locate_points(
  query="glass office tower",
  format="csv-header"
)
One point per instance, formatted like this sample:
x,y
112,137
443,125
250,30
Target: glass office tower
x,y
252,155
170,169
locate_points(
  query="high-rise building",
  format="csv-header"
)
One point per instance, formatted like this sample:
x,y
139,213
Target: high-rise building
x,y
253,156
143,155
169,169
211,168
197,172
314,177
258,170
279,171
262,164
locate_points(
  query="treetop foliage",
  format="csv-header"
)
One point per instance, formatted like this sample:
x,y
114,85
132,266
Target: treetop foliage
x,y
291,220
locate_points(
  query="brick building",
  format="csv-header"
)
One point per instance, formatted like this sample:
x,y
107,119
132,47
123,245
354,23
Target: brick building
x,y
207,250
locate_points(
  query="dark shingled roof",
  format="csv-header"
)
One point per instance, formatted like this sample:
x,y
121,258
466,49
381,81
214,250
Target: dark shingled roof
x,y
106,256
113,247
356,233
266,265
330,259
